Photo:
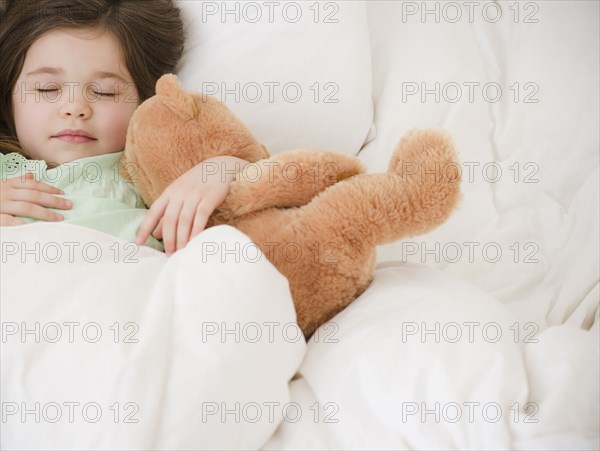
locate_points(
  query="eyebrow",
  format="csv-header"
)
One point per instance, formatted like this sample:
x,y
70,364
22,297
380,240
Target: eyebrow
x,y
58,71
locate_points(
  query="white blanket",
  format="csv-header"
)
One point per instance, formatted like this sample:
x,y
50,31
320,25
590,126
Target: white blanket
x,y
108,346
424,360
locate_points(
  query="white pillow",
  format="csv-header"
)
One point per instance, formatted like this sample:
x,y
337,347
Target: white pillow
x,y
297,73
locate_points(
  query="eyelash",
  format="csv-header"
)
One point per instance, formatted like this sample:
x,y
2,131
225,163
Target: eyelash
x,y
103,94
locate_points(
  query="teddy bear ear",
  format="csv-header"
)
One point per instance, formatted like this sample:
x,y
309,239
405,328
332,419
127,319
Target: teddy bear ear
x,y
172,94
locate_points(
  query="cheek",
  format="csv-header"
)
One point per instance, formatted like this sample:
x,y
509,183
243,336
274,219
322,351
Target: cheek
x,y
116,124
19,112
29,116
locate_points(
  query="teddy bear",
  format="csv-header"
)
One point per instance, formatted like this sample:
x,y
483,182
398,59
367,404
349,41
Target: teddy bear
x,y
316,215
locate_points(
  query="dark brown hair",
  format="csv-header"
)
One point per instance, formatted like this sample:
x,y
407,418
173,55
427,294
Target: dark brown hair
x,y
149,31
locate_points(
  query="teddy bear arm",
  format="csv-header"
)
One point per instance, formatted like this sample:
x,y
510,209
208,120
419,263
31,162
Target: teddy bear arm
x,y
290,179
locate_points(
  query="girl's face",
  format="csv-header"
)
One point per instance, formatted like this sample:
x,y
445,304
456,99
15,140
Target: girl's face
x,y
74,97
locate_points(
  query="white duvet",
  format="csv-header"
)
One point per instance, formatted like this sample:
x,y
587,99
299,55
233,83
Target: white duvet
x,y
110,346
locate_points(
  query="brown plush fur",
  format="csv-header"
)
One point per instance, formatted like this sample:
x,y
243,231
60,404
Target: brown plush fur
x,y
315,215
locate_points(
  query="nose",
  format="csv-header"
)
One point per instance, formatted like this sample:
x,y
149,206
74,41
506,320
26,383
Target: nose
x,y
76,108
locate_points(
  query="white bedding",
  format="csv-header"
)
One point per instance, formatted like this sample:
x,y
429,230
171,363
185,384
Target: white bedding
x,y
369,378
425,360
175,342
541,213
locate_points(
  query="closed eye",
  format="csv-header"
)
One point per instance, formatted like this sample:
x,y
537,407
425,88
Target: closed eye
x,y
102,94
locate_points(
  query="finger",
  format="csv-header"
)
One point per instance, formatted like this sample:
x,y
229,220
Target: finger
x,y
40,198
203,212
152,217
22,178
28,182
8,220
30,210
170,225
186,220
158,231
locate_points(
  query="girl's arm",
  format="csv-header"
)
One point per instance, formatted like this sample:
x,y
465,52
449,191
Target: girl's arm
x,y
182,210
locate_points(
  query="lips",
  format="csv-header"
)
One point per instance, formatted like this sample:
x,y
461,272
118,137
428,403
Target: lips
x,y
74,136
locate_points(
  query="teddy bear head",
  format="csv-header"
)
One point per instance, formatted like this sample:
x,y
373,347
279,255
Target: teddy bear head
x,y
174,130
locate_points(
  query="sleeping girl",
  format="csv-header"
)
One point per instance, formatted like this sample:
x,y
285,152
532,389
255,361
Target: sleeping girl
x,y
72,74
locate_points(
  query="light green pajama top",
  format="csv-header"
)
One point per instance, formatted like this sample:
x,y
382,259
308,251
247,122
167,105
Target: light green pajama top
x,y
101,198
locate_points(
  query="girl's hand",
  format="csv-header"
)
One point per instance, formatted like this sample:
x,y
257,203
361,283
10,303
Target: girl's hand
x,y
23,196
182,210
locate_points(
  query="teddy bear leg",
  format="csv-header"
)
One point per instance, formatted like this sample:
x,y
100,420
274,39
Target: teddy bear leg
x,y
325,270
